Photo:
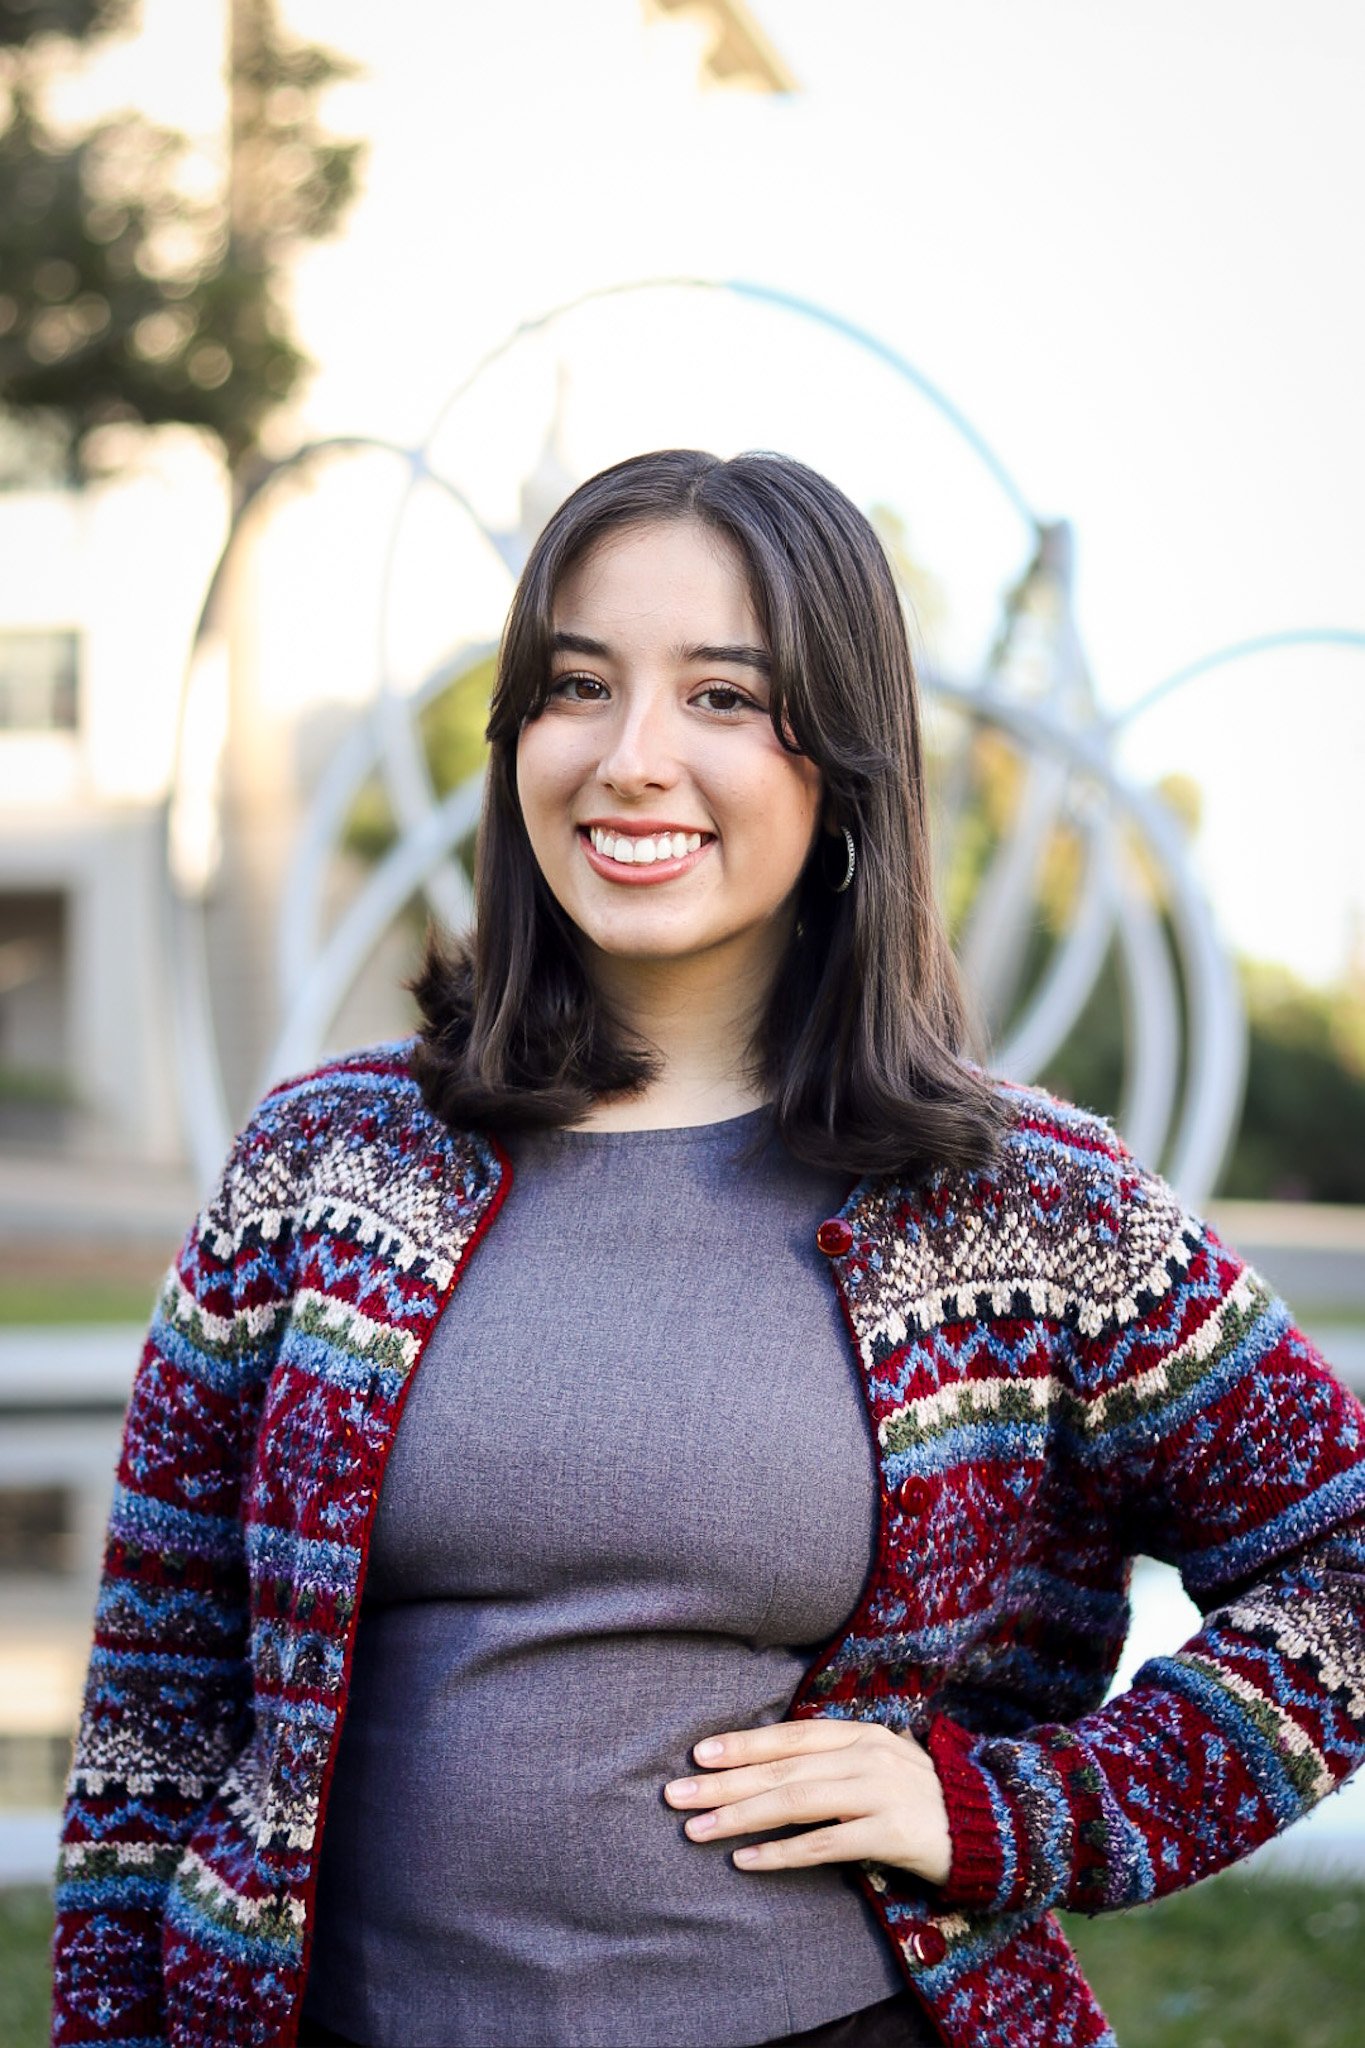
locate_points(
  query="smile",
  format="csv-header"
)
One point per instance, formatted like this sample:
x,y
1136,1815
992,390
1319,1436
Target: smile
x,y
643,850
643,857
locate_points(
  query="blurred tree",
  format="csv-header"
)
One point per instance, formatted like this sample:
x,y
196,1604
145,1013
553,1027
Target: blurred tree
x,y
126,293
1302,1135
24,21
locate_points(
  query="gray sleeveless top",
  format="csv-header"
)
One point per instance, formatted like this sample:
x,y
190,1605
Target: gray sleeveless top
x,y
632,1492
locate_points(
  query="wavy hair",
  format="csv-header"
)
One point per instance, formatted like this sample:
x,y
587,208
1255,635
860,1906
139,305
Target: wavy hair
x,y
860,1049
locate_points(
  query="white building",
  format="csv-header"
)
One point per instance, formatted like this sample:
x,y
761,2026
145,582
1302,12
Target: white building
x,y
99,590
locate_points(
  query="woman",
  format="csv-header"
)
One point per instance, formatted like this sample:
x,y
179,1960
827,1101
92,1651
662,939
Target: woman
x,y
721,1661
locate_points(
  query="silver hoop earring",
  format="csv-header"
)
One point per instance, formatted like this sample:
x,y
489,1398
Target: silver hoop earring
x,y
839,887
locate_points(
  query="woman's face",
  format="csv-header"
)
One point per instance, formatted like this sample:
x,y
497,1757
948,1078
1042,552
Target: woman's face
x,y
665,816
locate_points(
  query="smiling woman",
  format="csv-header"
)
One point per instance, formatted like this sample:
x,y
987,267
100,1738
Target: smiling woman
x,y
627,1506
660,766
713,649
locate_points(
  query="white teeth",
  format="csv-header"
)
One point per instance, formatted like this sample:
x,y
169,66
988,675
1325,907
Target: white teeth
x,y
643,852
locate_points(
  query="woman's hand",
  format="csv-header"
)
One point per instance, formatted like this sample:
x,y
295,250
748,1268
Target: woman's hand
x,y
880,1790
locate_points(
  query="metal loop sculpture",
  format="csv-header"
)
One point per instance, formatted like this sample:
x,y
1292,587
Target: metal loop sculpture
x,y
1135,898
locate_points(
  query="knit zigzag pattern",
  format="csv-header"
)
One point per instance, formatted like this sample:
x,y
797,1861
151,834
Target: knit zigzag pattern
x,y
1061,1370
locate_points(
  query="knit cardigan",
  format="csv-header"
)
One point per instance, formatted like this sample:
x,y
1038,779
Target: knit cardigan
x,y
1061,1369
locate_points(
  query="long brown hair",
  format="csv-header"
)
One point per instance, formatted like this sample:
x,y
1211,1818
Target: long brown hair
x,y
860,1048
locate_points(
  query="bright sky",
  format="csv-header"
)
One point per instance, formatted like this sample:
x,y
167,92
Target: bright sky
x,y
1125,241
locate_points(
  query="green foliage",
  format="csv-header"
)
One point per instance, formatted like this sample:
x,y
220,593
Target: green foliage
x,y
1302,1129
1239,1962
26,21
123,296
1302,1133
451,727
1088,1069
118,302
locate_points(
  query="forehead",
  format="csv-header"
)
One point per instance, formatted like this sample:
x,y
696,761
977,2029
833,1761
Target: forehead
x,y
654,575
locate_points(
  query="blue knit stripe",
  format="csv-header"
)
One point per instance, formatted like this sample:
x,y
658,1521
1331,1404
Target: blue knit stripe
x,y
141,1519
1341,1495
214,1917
305,1560
1260,1755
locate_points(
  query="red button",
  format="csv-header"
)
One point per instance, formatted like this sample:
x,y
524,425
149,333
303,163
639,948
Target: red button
x,y
914,1496
928,1945
834,1237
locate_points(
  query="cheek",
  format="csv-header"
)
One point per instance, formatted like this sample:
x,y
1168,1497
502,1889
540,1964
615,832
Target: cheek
x,y
796,798
544,771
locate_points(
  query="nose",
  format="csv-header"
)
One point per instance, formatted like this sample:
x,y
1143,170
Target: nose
x,y
639,752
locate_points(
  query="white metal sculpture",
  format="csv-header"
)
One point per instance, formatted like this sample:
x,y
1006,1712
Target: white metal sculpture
x,y
1138,896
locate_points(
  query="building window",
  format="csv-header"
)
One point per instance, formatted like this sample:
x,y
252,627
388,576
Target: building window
x,y
38,682
36,1528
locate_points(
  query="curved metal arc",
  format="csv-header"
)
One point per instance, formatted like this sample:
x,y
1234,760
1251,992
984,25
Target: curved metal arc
x,y
401,760
1152,1071
873,345
1217,1055
263,484
1238,650
259,489
789,302
355,759
539,321
1109,906
403,767
390,885
1052,1009
203,1106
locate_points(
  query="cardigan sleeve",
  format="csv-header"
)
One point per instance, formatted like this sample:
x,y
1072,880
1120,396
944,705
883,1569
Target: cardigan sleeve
x,y
1214,1431
167,1697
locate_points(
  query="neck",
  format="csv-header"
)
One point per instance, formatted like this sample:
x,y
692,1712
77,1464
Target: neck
x,y
699,1015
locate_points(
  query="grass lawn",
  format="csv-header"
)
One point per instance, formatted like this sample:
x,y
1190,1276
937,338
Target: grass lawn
x,y
83,1302
25,1931
93,1284
1239,1963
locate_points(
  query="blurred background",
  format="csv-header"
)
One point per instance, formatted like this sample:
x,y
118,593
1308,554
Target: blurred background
x,y
311,312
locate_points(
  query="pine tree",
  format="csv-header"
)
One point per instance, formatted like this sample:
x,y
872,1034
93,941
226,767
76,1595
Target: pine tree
x,y
125,296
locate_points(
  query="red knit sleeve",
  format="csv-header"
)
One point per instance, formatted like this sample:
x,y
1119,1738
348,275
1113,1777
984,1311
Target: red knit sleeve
x,y
1228,1448
167,1697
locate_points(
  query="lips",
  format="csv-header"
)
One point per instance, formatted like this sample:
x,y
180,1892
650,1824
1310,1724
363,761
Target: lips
x,y
657,866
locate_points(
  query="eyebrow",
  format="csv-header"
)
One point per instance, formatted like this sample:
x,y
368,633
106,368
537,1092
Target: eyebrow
x,y
736,656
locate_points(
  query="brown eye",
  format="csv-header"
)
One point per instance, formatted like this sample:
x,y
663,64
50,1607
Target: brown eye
x,y
578,689
726,698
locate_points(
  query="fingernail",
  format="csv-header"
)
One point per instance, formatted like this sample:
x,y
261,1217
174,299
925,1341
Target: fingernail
x,y
701,1824
682,1788
743,1856
706,1752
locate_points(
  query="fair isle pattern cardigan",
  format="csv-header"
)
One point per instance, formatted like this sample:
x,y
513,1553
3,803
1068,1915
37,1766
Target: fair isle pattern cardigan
x,y
1061,1370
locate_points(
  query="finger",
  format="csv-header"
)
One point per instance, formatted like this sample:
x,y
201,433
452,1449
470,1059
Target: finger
x,y
852,1841
778,1738
722,1788
792,1805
